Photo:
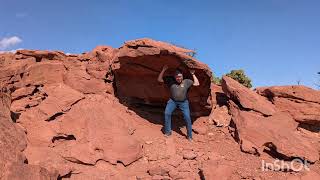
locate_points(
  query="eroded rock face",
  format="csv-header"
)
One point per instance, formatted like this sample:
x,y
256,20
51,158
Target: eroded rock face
x,y
94,129
5,102
64,106
38,55
12,139
220,111
140,62
66,119
277,134
294,92
257,133
246,98
12,142
301,102
89,73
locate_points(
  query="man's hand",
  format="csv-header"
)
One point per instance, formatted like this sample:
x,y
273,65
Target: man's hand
x,y
160,77
165,67
195,79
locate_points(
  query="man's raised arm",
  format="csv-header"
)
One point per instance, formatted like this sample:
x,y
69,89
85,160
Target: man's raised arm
x,y
160,77
195,79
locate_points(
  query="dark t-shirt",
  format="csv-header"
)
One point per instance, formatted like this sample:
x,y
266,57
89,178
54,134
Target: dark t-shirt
x,y
178,91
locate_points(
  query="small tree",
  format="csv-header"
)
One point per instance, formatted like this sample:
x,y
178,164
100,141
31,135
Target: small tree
x,y
192,53
215,79
241,77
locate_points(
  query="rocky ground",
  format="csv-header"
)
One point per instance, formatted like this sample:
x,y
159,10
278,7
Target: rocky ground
x,y
99,115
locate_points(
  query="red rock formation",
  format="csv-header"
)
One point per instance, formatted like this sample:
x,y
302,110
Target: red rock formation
x,y
219,114
276,134
66,126
294,92
40,55
71,117
12,143
301,102
246,98
140,62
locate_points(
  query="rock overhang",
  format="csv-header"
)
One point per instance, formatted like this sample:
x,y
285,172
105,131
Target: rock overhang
x,y
140,62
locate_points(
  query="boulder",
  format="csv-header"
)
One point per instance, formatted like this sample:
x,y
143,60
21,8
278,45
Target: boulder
x,y
200,125
301,111
140,62
294,92
60,98
95,128
220,116
189,155
40,55
105,127
220,112
274,134
246,98
301,102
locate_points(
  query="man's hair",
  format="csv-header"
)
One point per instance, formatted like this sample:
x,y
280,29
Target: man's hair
x,y
178,71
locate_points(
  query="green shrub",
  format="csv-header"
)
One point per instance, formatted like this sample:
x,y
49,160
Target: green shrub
x,y
241,77
215,79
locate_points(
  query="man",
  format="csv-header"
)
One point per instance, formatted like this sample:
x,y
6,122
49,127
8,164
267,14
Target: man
x,y
178,90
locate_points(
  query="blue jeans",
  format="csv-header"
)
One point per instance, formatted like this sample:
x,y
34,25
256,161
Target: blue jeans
x,y
184,107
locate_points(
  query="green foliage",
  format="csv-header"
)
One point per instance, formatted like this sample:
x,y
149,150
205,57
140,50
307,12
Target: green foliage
x,y
241,77
192,54
215,79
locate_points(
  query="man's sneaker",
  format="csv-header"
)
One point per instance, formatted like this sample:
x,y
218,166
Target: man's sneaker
x,y
167,134
190,139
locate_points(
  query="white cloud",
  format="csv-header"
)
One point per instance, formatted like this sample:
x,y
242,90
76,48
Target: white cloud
x,y
11,51
9,41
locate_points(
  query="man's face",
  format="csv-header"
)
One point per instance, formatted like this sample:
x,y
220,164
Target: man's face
x,y
179,78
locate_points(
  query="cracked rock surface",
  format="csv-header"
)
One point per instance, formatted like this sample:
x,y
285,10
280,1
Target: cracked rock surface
x,y
99,115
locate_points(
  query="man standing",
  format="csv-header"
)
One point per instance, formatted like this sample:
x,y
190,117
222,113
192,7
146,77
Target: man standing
x,y
178,89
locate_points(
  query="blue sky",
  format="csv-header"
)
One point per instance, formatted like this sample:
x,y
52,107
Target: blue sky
x,y
277,42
